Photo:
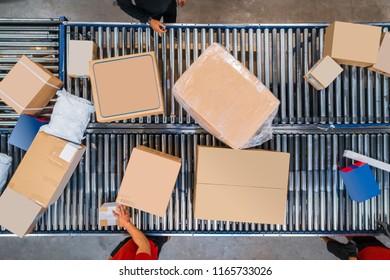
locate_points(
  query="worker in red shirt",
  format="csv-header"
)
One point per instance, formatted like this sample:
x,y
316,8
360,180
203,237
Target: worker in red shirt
x,y
137,246
360,247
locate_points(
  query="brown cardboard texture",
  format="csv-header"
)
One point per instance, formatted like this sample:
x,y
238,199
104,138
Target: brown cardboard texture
x,y
28,87
18,214
80,53
352,44
382,64
126,87
241,185
226,99
46,169
323,73
106,217
149,180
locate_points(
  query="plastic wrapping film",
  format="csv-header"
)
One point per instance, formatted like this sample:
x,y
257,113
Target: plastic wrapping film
x,y
5,164
227,100
71,115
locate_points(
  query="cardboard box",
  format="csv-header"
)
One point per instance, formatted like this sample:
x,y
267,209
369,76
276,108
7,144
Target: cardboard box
x,y
360,181
126,87
25,131
80,53
149,180
106,217
382,64
226,99
39,180
241,185
323,73
352,44
28,87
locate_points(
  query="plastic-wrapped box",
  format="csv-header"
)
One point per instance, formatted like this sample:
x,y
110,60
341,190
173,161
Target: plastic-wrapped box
x,y
227,100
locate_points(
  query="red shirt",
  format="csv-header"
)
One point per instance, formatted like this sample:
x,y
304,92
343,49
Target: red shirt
x,y
129,252
374,253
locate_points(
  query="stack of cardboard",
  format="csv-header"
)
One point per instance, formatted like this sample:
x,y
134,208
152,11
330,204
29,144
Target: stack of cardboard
x,y
349,44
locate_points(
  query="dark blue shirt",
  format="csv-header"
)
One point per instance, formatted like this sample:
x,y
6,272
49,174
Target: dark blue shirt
x,y
144,8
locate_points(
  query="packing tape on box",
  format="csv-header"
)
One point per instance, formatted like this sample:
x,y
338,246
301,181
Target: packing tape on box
x,y
32,71
17,104
370,161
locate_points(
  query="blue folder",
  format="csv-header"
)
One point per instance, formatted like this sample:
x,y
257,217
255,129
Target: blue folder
x,y
360,181
25,131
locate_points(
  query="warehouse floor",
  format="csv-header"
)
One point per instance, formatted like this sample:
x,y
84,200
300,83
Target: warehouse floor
x,y
200,11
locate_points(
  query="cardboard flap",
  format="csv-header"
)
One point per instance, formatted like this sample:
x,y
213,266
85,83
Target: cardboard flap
x,y
245,204
17,213
252,168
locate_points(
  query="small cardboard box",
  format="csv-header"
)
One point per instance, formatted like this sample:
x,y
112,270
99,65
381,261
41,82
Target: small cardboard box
x,y
352,44
80,53
106,217
226,99
149,180
28,87
126,87
323,73
241,185
38,181
25,131
360,181
382,64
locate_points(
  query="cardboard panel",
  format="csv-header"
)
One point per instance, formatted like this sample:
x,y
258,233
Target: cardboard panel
x,y
17,213
126,87
240,204
382,64
80,53
149,180
255,168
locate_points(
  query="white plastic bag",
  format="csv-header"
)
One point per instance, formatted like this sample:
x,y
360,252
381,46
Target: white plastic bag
x,y
70,117
5,164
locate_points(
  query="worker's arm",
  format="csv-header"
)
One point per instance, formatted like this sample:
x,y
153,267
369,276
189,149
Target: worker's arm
x,y
132,10
139,238
181,3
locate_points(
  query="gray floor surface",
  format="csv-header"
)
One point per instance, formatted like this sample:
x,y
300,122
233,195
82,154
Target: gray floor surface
x,y
197,11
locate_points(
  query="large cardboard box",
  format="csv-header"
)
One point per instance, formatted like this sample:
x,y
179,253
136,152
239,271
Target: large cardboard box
x,y
38,181
352,44
126,87
28,87
80,53
226,99
149,180
241,185
323,73
382,64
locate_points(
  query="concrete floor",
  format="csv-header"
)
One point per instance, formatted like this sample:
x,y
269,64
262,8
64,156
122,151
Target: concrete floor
x,y
199,11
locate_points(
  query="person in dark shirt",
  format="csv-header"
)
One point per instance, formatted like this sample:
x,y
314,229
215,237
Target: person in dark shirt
x,y
151,11
360,247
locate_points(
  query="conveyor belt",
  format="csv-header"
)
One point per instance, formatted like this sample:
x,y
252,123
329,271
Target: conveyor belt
x,y
315,127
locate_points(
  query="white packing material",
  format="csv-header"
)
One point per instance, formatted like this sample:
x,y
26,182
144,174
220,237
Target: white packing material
x,y
70,117
5,164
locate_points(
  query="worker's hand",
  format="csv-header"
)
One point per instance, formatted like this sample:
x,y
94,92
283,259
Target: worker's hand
x,y
123,215
158,26
181,3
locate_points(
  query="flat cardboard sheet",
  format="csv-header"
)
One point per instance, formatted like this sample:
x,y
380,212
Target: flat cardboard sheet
x,y
80,53
149,180
382,64
241,185
126,87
